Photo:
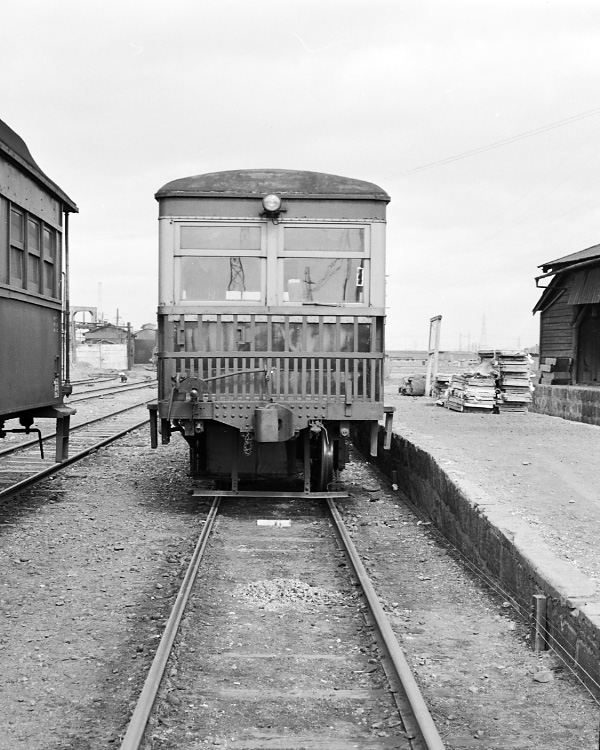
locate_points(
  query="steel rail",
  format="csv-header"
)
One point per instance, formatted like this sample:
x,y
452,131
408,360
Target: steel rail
x,y
139,719
54,468
122,388
424,722
91,381
74,428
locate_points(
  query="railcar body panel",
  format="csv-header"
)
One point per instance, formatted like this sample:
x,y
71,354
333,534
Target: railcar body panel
x,y
271,323
32,306
30,363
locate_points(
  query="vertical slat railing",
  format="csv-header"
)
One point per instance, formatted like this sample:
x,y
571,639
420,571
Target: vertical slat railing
x,y
306,375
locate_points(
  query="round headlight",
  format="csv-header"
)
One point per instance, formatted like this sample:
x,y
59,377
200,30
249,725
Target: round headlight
x,y
271,203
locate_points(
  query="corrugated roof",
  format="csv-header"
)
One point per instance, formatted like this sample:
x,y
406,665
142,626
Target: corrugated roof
x,y
567,260
289,183
586,287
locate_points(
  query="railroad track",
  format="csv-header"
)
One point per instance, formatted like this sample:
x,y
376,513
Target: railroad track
x,y
28,461
109,390
286,644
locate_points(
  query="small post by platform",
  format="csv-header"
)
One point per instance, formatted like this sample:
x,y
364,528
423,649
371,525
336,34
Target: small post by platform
x,y
539,633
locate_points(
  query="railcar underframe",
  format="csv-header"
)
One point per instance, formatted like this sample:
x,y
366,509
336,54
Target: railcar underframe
x,y
269,394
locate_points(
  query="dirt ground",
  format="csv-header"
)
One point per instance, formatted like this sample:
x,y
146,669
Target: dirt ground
x,y
91,561
544,469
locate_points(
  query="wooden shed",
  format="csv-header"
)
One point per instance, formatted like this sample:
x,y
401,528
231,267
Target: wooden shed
x,y
570,319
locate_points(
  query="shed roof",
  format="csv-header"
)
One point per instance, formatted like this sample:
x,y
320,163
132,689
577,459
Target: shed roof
x,y
586,287
567,260
15,148
288,183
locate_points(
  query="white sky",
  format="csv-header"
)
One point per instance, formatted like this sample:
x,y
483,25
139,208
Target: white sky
x,y
116,98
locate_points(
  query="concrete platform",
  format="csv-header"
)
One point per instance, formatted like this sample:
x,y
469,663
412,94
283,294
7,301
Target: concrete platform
x,y
519,496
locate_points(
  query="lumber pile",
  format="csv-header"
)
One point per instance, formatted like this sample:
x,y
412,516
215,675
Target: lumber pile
x,y
501,383
513,379
471,392
556,371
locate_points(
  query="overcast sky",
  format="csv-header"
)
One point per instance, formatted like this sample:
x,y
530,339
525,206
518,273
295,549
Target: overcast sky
x,y
116,98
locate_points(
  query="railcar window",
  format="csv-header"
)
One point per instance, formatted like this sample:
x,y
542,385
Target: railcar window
x,y
49,262
221,279
324,239
323,280
17,247
220,238
34,251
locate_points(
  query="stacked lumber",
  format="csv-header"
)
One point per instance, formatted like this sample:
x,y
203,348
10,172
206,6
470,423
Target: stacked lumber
x,y
513,379
556,371
471,392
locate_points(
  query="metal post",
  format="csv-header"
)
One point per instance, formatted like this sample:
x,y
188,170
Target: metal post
x,y
67,311
307,460
539,634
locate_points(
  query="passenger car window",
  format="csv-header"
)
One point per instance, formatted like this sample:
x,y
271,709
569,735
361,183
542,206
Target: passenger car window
x,y
221,279
323,280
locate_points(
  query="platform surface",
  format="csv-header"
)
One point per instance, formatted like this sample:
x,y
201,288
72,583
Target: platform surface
x,y
545,470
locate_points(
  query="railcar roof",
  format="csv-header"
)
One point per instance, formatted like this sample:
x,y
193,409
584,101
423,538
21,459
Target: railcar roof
x,y
15,148
288,183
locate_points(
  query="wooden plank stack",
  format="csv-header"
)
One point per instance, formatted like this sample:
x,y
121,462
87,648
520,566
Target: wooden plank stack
x,y
471,392
556,371
513,379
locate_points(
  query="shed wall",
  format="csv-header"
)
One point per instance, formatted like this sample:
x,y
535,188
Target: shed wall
x,y
556,330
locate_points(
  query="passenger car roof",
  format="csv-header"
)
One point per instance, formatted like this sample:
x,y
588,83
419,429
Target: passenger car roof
x,y
287,183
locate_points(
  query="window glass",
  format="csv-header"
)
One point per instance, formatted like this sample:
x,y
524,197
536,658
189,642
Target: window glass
x,y
49,239
324,240
16,265
17,227
221,279
49,280
220,238
33,237
327,280
49,244
33,273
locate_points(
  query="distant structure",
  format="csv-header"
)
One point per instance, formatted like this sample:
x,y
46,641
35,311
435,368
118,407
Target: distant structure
x,y
569,378
570,319
106,334
144,344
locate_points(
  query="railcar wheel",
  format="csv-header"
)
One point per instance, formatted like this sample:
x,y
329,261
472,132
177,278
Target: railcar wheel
x,y
323,464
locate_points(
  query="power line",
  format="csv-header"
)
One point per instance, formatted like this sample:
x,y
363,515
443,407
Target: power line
x,y
499,144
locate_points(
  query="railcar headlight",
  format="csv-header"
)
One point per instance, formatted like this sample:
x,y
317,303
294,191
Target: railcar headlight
x,y
271,203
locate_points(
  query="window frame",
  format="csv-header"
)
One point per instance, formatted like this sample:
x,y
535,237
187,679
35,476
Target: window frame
x,y
180,253
272,255
18,246
283,254
34,253
27,250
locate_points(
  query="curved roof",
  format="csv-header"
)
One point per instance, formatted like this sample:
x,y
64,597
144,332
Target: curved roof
x,y
288,183
15,148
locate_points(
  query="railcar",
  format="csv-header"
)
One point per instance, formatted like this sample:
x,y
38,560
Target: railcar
x,y
270,323
34,215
